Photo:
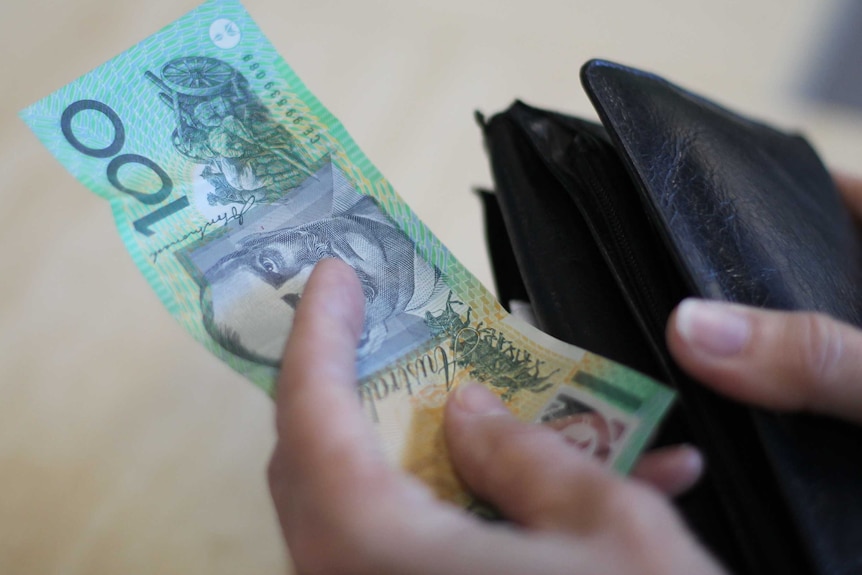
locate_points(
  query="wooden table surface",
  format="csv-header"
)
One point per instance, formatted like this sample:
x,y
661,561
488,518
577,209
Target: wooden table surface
x,y
125,447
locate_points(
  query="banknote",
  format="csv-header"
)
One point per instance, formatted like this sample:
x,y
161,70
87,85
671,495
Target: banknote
x,y
228,180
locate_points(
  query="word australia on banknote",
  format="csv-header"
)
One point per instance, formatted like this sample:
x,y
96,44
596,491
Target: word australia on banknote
x,y
228,181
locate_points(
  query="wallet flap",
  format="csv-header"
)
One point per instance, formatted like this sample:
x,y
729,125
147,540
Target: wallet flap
x,y
751,216
750,212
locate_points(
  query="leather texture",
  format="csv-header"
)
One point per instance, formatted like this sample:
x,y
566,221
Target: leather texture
x,y
559,262
750,213
752,216
680,196
544,217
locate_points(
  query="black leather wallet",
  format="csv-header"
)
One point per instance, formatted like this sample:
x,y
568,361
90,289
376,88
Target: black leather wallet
x,y
605,227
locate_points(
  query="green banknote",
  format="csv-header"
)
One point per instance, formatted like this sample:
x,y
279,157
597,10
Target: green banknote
x,y
229,180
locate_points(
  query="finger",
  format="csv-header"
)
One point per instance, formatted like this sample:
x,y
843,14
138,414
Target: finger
x,y
318,376
672,470
851,190
341,507
535,478
332,487
779,360
529,472
326,459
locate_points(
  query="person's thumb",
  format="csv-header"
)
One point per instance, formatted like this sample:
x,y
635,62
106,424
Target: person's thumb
x,y
778,360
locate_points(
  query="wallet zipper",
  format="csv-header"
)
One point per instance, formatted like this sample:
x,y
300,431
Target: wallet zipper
x,y
623,258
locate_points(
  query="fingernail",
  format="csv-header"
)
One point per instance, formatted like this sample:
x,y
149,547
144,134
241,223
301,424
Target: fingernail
x,y
689,471
476,398
692,460
712,328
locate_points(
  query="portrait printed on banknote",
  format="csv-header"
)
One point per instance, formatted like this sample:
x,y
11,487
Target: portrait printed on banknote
x,y
286,210
252,277
229,180
591,425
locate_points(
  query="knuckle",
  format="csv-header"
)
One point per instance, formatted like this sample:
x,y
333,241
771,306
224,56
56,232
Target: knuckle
x,y
543,506
331,532
278,479
275,471
542,483
312,533
821,349
511,466
313,556
320,544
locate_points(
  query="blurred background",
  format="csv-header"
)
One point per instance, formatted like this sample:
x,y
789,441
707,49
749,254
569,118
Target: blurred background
x,y
124,446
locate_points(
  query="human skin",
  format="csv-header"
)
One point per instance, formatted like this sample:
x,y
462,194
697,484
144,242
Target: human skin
x,y
779,360
782,361
275,267
342,509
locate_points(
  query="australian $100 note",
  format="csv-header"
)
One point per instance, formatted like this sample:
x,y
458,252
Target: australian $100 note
x,y
228,181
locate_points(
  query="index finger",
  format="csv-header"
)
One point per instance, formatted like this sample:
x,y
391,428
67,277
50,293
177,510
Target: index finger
x,y
324,439
322,344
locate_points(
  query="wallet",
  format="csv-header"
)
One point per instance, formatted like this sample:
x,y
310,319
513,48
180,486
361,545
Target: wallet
x,y
604,227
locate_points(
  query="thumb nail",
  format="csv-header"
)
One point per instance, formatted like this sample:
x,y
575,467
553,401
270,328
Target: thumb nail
x,y
713,328
476,398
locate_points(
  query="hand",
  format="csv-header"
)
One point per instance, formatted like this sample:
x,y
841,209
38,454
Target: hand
x,y
779,360
343,509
